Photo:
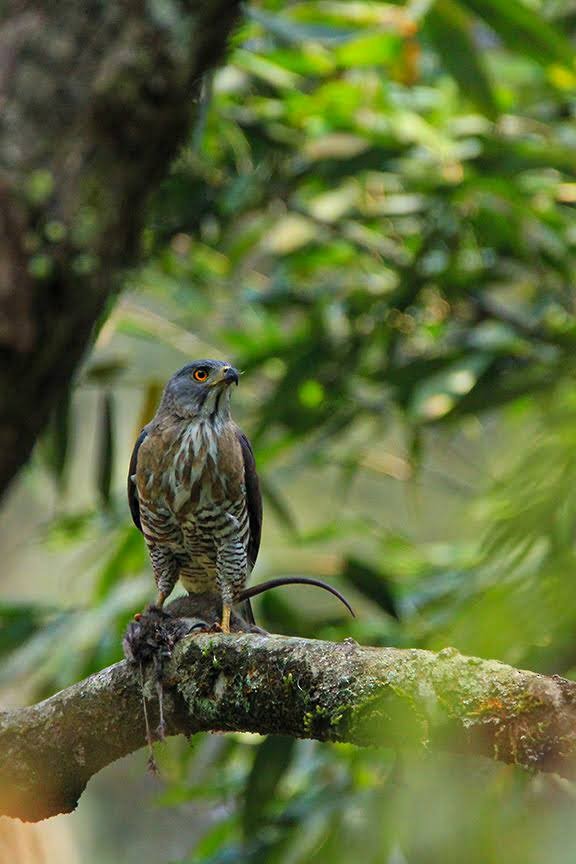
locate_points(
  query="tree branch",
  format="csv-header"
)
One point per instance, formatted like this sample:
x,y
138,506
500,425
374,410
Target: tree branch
x,y
300,687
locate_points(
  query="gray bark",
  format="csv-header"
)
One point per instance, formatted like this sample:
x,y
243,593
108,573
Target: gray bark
x,y
95,99
290,686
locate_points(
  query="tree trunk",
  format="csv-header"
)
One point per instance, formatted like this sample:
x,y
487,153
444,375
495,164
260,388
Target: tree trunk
x,y
95,100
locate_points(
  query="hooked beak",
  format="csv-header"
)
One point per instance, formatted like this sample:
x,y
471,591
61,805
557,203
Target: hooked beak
x,y
228,375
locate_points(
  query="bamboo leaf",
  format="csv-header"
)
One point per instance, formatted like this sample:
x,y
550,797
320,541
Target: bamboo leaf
x,y
525,30
19,622
105,454
371,582
127,557
279,506
271,762
55,448
451,30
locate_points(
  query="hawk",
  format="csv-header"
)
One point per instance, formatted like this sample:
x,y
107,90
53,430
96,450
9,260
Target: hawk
x,y
193,489
194,493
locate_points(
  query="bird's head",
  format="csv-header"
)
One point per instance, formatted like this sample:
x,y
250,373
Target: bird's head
x,y
201,389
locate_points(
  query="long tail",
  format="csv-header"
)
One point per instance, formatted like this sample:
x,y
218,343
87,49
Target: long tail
x,y
255,590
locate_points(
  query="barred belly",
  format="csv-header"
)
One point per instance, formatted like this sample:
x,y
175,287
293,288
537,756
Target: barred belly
x,y
212,528
194,541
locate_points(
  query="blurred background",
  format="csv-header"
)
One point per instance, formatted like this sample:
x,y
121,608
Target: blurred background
x,y
374,218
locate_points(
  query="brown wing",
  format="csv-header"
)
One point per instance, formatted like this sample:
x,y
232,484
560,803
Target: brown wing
x,y
132,491
253,498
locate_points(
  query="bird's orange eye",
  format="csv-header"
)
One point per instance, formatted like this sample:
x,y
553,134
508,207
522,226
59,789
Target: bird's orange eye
x,y
200,375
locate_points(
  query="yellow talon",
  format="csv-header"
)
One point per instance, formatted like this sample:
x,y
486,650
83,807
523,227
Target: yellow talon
x,y
160,599
226,618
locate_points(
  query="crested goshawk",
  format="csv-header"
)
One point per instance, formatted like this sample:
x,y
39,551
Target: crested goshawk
x,y
193,489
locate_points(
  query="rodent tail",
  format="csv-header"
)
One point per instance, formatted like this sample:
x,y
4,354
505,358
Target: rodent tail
x,y
255,590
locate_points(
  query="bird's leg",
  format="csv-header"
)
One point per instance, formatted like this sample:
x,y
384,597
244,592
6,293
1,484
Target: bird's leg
x,y
226,610
231,569
166,571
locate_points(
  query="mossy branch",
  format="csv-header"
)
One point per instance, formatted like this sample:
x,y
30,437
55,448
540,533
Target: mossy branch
x,y
291,686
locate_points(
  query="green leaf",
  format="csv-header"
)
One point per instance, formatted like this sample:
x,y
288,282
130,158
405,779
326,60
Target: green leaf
x,y
437,395
105,449
279,506
450,29
371,582
105,370
271,762
266,70
376,49
128,557
293,32
523,29
55,448
18,622
213,847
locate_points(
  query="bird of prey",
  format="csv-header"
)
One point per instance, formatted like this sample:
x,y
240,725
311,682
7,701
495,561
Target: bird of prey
x,y
194,493
193,488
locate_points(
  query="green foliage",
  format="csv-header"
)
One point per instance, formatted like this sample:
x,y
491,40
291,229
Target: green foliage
x,y
271,761
375,218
